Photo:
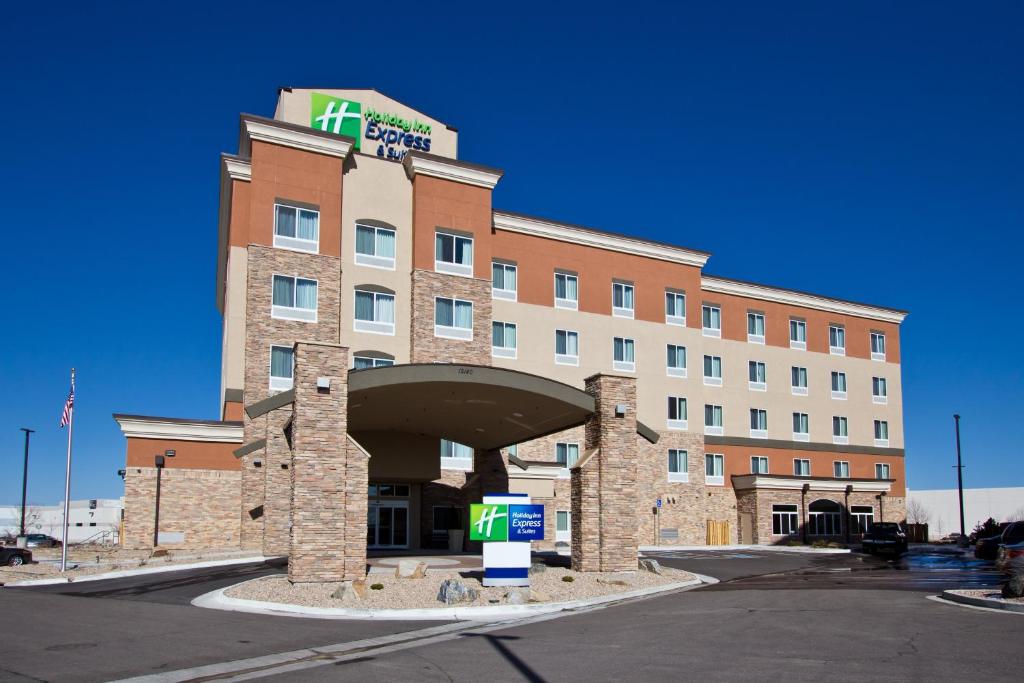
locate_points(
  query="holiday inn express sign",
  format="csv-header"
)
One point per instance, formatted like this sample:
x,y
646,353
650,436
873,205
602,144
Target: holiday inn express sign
x,y
393,135
506,523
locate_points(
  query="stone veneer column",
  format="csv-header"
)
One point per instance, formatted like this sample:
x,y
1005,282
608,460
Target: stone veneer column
x,y
277,498
425,347
605,512
328,478
253,486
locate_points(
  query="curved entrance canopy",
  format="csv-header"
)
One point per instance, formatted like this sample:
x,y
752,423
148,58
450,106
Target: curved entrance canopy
x,y
480,406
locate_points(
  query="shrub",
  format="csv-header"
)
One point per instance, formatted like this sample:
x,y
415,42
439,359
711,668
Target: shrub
x,y
376,586
820,544
568,579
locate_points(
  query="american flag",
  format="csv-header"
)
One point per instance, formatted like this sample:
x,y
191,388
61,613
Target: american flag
x,y
69,404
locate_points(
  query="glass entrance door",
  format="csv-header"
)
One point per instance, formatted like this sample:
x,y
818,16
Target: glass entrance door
x,y
387,524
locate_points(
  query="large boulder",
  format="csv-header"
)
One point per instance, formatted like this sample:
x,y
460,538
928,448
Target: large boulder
x,y
517,596
539,596
453,591
1014,586
649,565
350,592
538,568
411,569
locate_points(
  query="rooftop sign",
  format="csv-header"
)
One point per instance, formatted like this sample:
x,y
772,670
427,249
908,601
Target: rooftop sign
x,y
389,135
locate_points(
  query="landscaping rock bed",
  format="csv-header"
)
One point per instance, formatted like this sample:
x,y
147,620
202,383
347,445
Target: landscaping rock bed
x,y
87,561
985,597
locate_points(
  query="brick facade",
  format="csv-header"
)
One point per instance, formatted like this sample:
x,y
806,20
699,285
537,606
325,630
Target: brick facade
x,y
425,347
758,503
682,504
277,499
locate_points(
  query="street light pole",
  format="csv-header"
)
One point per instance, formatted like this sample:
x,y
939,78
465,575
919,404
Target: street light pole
x,y
960,478
24,479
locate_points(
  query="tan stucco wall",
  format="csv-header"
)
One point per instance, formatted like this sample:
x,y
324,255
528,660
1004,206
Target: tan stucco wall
x,y
232,372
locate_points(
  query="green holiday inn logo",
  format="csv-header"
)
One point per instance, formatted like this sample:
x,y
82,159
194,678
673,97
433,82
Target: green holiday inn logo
x,y
488,522
335,115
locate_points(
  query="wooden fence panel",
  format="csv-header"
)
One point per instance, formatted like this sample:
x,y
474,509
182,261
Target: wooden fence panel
x,y
718,532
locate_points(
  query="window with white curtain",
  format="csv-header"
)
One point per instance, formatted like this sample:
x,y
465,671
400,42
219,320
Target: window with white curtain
x,y
566,291
755,328
714,469
453,254
675,308
798,380
757,374
877,346
801,427
801,467
375,246
503,281
374,312
567,347
758,423
296,228
837,340
453,318
879,390
840,430
503,339
711,320
759,464
881,433
882,470
677,417
839,385
841,469
713,420
456,456
566,455
623,354
294,298
367,362
678,465
797,334
282,368
713,371
622,300
676,361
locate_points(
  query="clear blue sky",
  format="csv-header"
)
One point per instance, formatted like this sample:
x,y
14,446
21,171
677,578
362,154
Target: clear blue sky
x,y
870,151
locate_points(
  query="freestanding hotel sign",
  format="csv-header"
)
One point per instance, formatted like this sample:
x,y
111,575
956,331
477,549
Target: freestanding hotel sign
x,y
506,523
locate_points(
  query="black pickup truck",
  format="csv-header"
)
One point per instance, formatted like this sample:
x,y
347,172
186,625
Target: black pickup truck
x,y
884,537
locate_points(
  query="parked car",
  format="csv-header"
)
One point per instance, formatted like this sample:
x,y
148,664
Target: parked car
x,y
884,537
13,557
1011,558
41,541
988,548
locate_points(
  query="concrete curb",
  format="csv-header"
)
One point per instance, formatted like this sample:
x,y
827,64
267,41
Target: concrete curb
x,y
987,603
137,572
218,600
769,548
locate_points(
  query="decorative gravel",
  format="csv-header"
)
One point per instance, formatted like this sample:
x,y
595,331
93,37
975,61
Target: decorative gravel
x,y
988,594
422,593
85,561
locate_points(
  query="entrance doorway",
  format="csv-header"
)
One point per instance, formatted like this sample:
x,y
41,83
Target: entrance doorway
x,y
387,516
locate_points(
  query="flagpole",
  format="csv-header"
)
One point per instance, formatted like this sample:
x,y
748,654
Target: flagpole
x,y
67,482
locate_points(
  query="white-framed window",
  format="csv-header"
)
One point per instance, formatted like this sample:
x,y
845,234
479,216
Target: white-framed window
x,y
882,470
711,320
801,427
837,340
841,469
567,347
566,455
839,385
367,362
453,254
713,420
453,318
757,375
375,246
677,417
882,433
622,300
798,334
798,380
758,423
678,465
861,518
623,354
676,361
840,430
563,526
282,368
456,456
675,308
759,464
503,339
877,346
755,327
879,390
567,294
714,469
785,520
801,467
503,281
296,228
713,371
374,312
294,298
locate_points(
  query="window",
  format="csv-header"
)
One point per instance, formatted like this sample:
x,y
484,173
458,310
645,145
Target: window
x,y
296,228
366,362
713,420
758,464
755,328
881,433
567,347
757,374
837,340
824,518
566,455
678,465
676,362
375,247
797,334
453,318
566,291
713,371
840,433
799,381
785,521
801,427
677,418
622,300
841,469
711,320
294,298
839,386
877,346
563,526
882,470
282,368
503,340
879,390
374,312
446,517
714,469
453,254
675,308
456,456
503,281
623,355
758,423
801,467
861,518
